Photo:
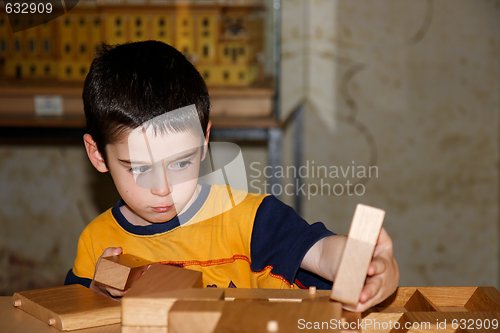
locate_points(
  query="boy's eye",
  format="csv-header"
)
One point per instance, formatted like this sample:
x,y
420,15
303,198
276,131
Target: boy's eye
x,y
141,169
179,165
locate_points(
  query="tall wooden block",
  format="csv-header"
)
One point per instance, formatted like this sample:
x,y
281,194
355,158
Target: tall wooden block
x,y
358,252
69,307
120,271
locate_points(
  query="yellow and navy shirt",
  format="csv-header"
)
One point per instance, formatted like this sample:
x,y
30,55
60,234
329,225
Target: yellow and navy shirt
x,y
258,243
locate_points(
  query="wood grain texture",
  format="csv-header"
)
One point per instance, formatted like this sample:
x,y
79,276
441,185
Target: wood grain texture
x,y
150,298
69,307
16,102
358,251
484,299
253,316
194,316
425,322
273,295
145,329
447,296
396,302
159,278
251,309
418,302
152,310
16,321
120,271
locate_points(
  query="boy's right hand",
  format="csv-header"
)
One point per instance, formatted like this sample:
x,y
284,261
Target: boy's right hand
x,y
102,289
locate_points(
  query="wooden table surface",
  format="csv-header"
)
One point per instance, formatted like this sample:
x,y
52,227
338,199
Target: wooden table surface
x,y
13,320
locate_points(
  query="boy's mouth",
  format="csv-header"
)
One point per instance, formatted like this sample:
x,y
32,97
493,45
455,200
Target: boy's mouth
x,y
162,209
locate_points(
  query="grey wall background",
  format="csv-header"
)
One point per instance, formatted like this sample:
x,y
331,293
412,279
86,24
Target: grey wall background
x,y
409,87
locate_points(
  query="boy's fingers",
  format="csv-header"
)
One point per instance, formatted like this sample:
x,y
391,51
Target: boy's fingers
x,y
384,243
115,292
112,251
370,289
377,266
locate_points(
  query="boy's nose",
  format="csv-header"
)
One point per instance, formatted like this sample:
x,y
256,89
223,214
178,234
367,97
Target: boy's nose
x,y
162,188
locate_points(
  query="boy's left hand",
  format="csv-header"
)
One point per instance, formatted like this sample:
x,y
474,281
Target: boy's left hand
x,y
382,278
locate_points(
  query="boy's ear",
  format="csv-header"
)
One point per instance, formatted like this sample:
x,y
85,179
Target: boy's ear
x,y
207,138
93,153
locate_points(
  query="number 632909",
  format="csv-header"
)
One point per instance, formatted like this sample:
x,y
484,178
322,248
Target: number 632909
x,y
28,7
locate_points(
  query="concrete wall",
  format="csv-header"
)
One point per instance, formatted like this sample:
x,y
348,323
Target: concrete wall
x,y
407,87
411,87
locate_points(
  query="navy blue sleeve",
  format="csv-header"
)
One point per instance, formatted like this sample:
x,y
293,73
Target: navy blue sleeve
x,y
71,278
281,239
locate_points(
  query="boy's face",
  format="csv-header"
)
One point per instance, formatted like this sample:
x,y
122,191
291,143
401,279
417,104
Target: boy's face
x,y
156,175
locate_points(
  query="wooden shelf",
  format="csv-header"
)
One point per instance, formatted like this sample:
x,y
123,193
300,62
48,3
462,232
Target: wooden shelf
x,y
78,121
231,108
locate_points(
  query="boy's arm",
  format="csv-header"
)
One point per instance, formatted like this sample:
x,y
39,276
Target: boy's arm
x,y
323,258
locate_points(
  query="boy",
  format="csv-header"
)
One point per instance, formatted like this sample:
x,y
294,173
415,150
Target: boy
x,y
147,111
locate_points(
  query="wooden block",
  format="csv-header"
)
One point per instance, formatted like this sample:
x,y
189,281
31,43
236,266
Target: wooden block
x,y
194,316
444,297
152,310
14,320
120,271
159,278
145,329
377,322
396,302
273,295
484,299
418,302
69,307
150,298
244,316
425,322
358,252
463,298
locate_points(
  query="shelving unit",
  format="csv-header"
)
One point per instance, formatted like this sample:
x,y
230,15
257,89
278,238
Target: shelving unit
x,y
250,114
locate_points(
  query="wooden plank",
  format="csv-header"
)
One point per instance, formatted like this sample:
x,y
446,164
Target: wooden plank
x,y
194,316
15,321
380,322
32,121
273,295
152,310
238,102
255,316
358,251
120,271
69,307
145,329
449,322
